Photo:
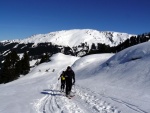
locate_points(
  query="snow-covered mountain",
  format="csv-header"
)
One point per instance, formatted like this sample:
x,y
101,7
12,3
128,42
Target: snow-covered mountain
x,y
77,42
76,37
105,83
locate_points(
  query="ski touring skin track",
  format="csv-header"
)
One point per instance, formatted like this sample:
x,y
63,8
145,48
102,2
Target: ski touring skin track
x,y
56,102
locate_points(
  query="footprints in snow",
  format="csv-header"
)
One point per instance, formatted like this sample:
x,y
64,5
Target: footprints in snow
x,y
96,104
55,102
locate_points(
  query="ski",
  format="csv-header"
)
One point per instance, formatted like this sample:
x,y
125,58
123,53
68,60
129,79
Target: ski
x,y
70,96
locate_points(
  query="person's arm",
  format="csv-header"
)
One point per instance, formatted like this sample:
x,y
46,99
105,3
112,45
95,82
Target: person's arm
x,y
59,77
73,77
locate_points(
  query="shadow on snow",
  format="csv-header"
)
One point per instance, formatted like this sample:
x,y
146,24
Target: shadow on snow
x,y
51,92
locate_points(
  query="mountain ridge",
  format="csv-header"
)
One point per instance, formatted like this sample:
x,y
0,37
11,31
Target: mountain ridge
x,y
75,37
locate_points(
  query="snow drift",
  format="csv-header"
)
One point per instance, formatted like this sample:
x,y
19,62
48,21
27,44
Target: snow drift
x,y
125,77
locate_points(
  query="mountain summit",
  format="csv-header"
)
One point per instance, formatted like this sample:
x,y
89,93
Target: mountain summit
x,y
77,36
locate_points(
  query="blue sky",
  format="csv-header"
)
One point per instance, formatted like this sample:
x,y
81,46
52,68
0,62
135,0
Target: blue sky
x,y
23,18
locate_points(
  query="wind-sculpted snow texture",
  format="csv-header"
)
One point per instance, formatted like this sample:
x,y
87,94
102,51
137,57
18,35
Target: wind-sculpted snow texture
x,y
123,79
104,84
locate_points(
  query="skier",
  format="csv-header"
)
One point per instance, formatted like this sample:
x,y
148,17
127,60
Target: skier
x,y
62,76
69,76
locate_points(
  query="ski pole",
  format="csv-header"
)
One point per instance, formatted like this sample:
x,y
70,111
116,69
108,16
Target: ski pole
x,y
58,84
74,89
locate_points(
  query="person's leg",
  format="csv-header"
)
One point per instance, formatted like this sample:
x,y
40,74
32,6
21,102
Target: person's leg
x,y
67,87
63,85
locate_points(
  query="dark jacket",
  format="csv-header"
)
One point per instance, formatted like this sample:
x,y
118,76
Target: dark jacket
x,y
69,75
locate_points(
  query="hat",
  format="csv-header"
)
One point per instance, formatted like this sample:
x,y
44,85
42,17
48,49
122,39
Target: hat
x,y
68,67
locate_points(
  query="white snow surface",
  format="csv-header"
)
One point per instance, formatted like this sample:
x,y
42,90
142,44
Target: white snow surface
x,y
123,80
105,83
77,36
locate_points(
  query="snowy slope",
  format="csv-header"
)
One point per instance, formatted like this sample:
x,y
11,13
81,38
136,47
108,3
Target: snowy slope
x,y
30,93
77,36
39,92
123,80
105,83
87,66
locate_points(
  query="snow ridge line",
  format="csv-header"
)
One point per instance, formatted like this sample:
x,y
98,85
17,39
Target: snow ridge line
x,y
96,104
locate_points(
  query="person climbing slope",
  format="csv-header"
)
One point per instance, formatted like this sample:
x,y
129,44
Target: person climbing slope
x,y
69,76
62,77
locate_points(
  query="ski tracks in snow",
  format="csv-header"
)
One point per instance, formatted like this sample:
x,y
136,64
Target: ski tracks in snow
x,y
55,102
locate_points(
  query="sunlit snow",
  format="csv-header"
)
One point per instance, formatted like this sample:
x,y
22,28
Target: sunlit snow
x,y
105,83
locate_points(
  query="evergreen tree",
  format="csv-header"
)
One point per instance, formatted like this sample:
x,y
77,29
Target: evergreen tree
x,y
45,58
8,71
102,48
75,50
18,68
25,63
14,58
93,47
